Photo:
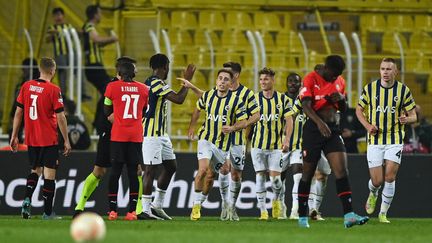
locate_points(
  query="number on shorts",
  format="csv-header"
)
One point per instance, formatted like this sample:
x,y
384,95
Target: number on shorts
x,y
218,166
33,108
398,154
239,161
281,163
127,99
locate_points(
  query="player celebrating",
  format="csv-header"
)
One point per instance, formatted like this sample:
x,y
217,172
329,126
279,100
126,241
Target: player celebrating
x,y
267,144
157,146
322,96
41,104
235,160
225,113
127,99
387,102
296,161
103,160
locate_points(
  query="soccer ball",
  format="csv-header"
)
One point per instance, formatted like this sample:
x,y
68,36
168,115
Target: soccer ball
x,y
88,226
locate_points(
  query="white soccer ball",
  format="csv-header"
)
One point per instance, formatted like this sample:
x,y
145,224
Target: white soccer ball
x,y
88,226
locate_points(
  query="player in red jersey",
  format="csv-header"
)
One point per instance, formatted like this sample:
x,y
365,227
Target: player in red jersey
x,y
128,100
41,104
322,95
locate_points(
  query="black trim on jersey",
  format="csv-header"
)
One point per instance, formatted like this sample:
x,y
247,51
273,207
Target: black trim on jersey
x,y
19,104
61,109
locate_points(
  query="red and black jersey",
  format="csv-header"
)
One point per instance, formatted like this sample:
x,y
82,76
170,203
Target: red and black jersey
x,y
40,100
315,87
128,100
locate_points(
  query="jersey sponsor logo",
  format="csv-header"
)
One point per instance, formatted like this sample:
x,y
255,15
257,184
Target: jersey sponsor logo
x,y
269,117
227,107
301,117
216,118
385,109
36,89
319,97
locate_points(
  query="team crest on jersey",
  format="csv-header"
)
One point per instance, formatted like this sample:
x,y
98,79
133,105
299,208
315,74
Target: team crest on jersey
x,y
396,99
227,107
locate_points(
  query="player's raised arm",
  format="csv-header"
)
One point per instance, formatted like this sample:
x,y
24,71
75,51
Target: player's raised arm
x,y
179,98
16,125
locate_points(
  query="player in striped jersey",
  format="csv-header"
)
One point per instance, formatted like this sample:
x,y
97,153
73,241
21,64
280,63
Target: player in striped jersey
x,y
225,113
295,160
157,146
267,144
236,158
384,108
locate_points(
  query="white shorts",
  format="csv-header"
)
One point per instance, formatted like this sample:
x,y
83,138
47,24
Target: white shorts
x,y
157,149
207,150
376,154
296,157
237,155
264,160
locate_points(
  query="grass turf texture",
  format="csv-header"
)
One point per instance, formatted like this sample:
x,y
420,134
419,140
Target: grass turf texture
x,y
210,229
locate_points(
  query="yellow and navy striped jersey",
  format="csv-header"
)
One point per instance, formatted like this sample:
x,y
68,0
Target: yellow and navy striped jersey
x,y
248,98
220,111
383,107
269,130
91,49
300,118
155,119
58,39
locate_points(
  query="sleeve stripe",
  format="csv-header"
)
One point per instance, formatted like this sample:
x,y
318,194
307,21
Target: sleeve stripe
x,y
61,109
19,105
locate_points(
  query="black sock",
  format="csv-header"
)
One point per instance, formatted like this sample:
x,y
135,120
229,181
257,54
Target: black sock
x,y
48,195
303,197
113,186
133,187
344,193
31,184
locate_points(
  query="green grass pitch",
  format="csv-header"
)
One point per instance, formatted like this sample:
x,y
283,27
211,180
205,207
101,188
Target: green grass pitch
x,y
210,229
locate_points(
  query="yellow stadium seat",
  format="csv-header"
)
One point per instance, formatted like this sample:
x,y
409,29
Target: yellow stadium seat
x,y
180,39
373,22
389,43
183,20
287,22
200,59
423,22
268,39
400,23
288,41
211,20
201,81
235,40
421,41
200,40
239,20
164,20
267,21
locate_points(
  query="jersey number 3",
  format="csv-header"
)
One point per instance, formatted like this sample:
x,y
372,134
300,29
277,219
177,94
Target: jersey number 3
x,y
127,99
33,107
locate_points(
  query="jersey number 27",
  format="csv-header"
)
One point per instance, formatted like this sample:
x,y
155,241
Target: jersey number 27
x,y
127,99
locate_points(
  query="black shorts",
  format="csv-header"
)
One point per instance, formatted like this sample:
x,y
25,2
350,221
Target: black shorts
x,y
43,156
126,153
313,142
103,154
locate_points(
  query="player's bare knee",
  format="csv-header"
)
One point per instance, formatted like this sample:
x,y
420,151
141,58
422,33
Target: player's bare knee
x,y
37,170
236,175
224,170
389,178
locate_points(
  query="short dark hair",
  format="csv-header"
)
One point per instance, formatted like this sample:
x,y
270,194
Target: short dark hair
x,y
91,11
389,59
293,74
335,63
70,106
158,61
126,71
223,70
46,64
57,10
235,66
318,67
267,71
124,59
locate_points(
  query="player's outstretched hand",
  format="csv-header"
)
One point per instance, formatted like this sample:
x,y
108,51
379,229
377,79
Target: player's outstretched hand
x,y
67,149
186,83
189,72
285,145
324,129
227,129
14,144
403,119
